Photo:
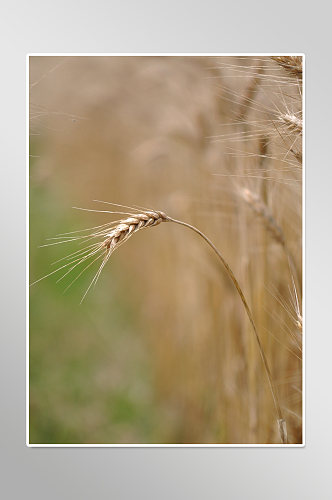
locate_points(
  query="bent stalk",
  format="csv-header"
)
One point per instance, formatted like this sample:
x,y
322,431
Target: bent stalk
x,y
280,420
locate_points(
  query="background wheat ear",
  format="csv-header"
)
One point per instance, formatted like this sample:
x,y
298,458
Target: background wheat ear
x,y
260,209
292,122
291,64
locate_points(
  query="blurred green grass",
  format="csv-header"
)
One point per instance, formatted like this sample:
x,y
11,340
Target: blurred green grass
x,y
90,374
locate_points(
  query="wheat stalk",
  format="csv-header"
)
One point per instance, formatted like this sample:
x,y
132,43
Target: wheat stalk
x,y
249,96
280,420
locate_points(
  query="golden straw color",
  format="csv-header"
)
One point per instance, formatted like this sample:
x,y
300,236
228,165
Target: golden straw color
x,y
163,352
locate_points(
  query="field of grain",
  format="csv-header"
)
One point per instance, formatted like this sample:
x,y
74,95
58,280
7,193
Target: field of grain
x,y
161,349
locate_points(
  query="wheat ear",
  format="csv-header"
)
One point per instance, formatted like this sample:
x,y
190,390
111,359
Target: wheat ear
x,y
127,227
291,64
261,210
292,122
123,231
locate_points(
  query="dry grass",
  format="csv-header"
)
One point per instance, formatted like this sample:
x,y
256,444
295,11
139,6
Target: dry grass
x,y
237,127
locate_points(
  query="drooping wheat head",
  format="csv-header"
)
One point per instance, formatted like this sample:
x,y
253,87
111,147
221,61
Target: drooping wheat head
x,y
112,236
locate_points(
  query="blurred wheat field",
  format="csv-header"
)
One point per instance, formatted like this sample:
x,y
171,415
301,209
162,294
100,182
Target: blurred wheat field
x,y
161,350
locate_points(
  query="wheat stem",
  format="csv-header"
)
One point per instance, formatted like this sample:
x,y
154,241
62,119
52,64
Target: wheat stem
x,y
281,421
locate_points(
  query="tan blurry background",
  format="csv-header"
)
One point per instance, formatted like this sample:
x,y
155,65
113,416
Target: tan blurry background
x,y
160,351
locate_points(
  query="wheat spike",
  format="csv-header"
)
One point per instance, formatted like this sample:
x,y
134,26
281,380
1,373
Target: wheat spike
x,y
122,231
271,225
291,64
260,209
127,227
292,122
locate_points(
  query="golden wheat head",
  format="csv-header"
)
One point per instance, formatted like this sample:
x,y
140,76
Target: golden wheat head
x,y
127,227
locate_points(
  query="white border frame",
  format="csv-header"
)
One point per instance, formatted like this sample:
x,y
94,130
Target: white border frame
x,y
166,54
